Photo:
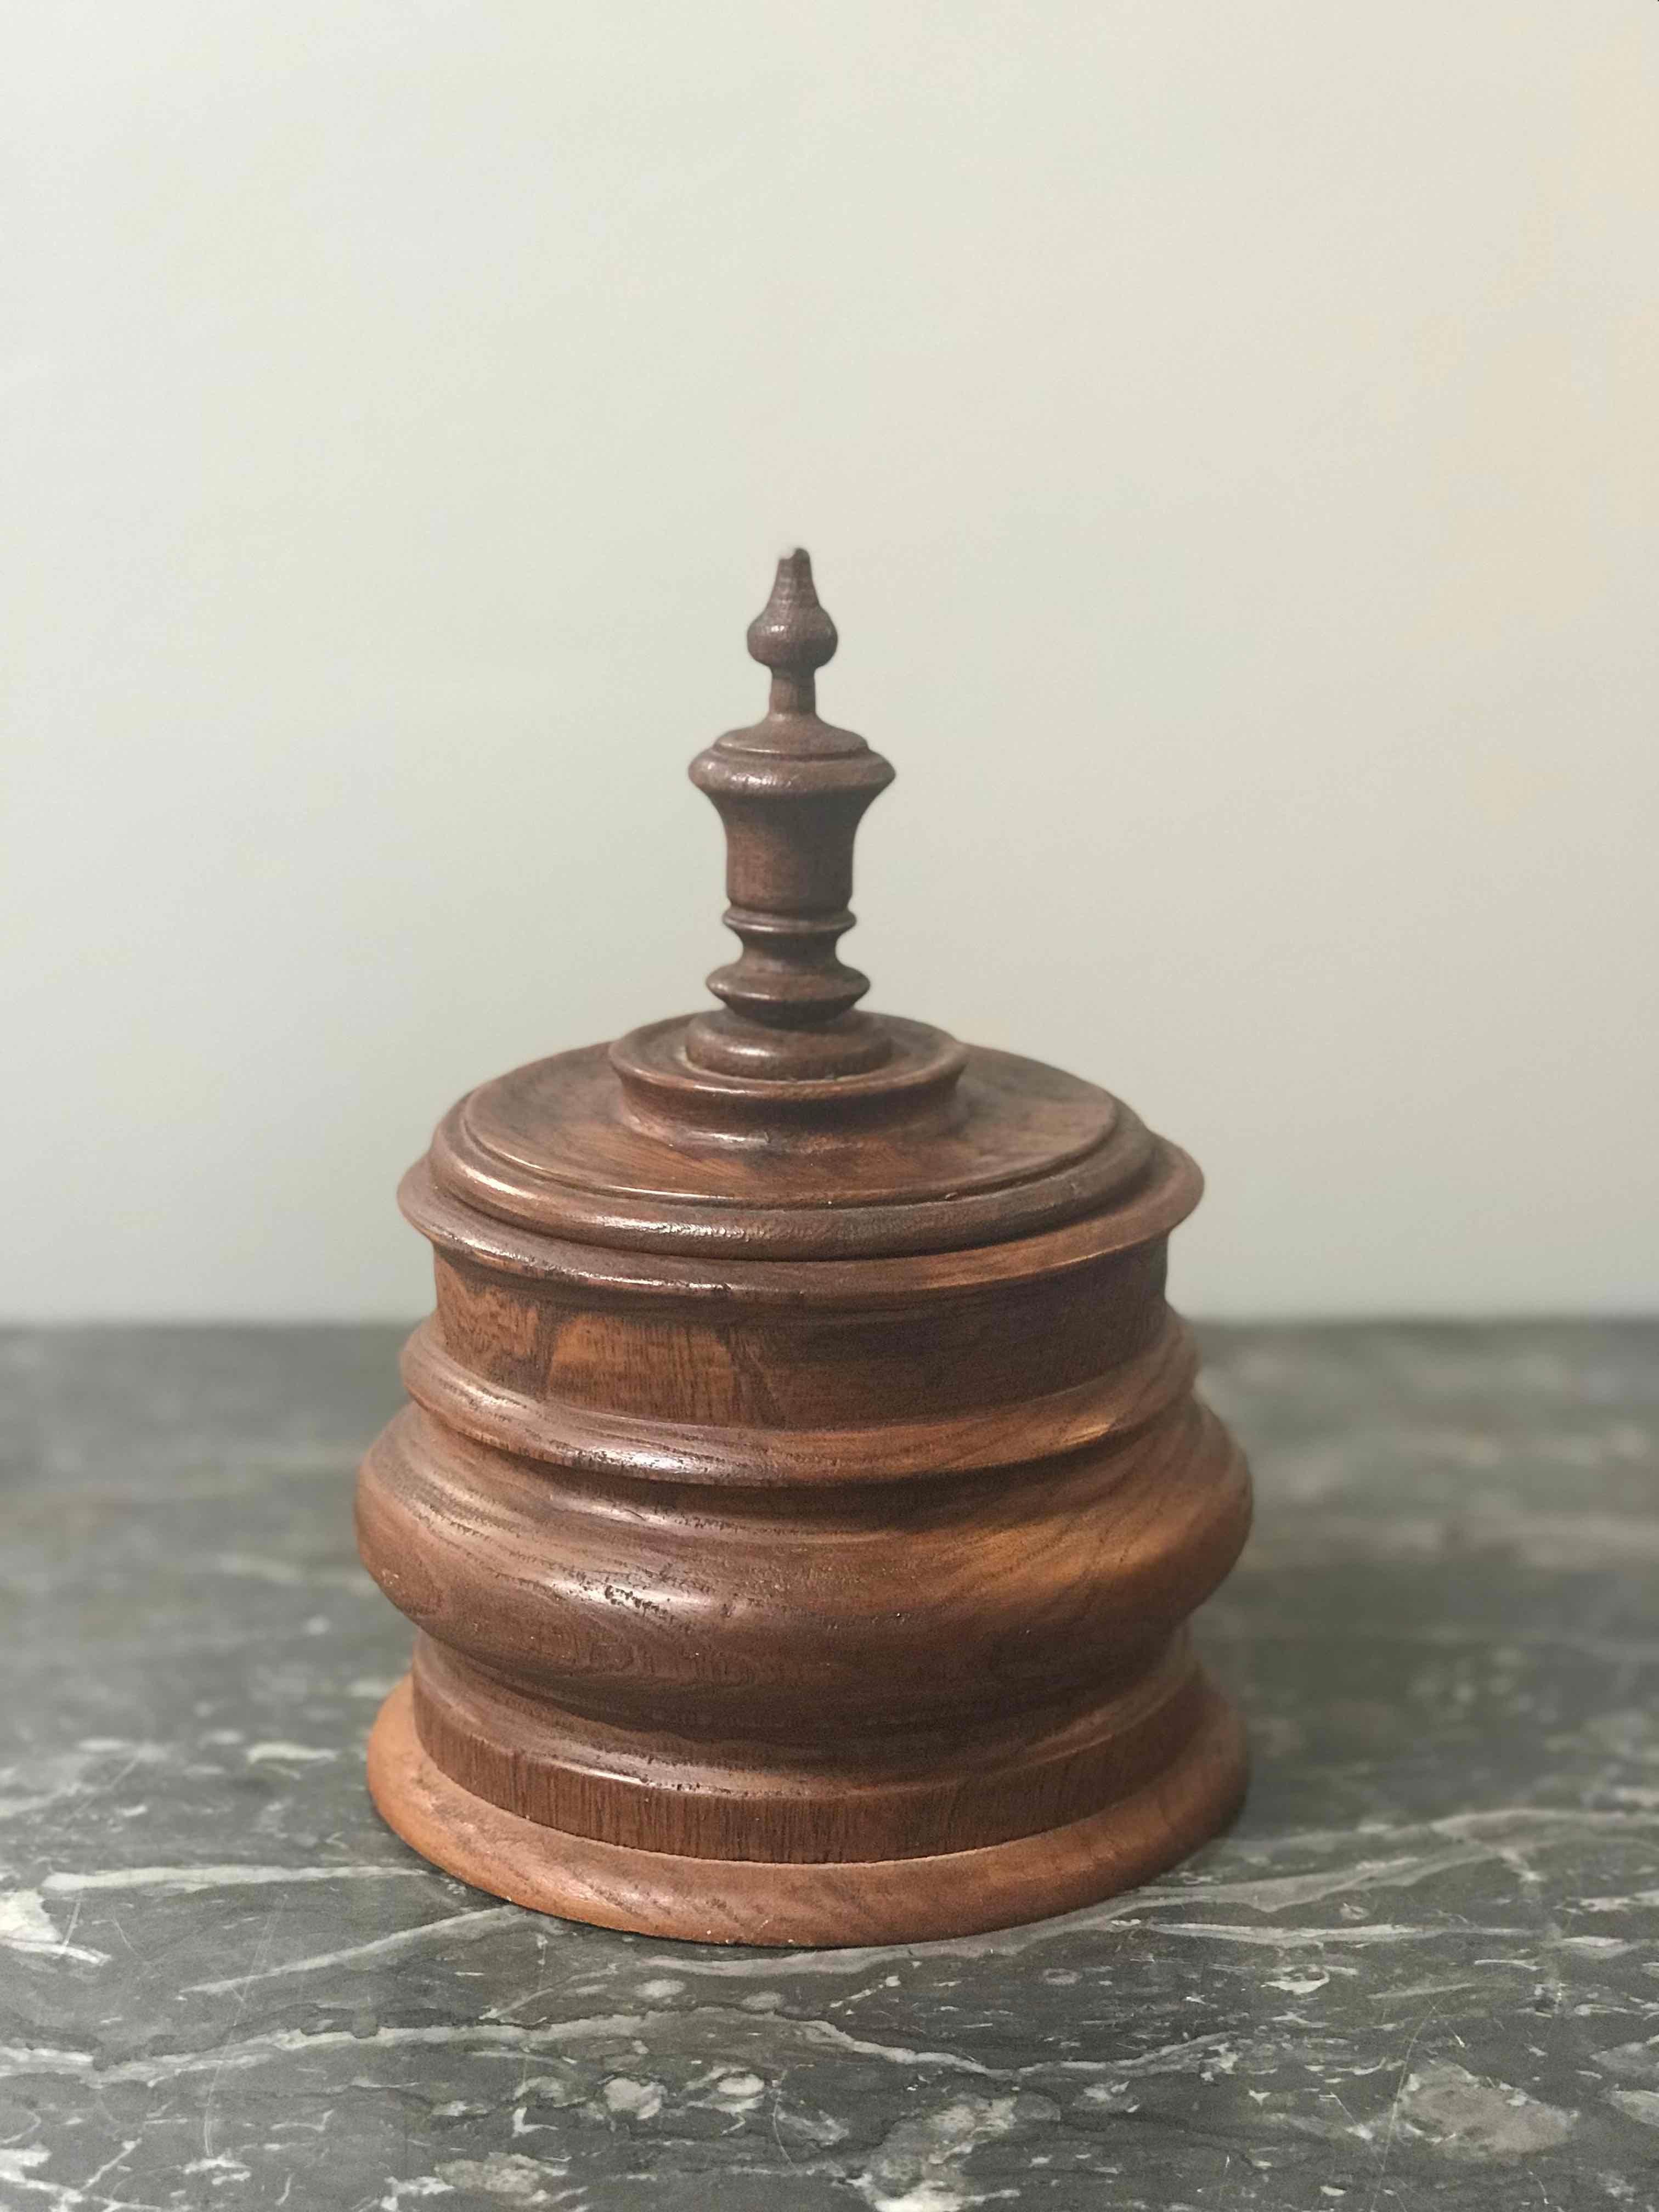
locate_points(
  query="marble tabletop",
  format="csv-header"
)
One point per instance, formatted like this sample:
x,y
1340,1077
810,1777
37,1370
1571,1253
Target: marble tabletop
x,y
1420,1969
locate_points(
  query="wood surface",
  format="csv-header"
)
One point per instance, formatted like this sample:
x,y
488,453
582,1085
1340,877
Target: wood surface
x,y
913,1900
802,1497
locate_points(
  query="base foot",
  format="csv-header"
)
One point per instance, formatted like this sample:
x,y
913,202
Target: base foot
x,y
851,1901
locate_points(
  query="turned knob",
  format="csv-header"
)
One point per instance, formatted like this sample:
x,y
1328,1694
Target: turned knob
x,y
790,790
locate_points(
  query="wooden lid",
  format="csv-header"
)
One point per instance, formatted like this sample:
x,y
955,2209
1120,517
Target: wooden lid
x,y
789,1124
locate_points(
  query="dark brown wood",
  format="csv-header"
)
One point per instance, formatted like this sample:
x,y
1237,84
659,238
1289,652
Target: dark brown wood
x,y
802,1495
791,791
903,1900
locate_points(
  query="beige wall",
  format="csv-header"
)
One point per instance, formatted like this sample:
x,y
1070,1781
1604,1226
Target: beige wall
x,y
1229,437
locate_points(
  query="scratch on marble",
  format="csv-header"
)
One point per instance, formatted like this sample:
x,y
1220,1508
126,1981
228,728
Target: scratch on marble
x,y
457,1927
1278,1892
185,1881
118,2158
25,1925
1361,1932
281,2043
486,2037
825,2035
1186,2058
1439,1989
18,2166
50,1777
213,2086
1503,1832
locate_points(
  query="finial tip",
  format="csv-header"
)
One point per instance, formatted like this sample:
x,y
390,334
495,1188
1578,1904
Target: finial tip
x,y
792,635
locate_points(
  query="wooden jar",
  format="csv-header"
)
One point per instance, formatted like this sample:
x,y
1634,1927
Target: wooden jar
x,y
802,1495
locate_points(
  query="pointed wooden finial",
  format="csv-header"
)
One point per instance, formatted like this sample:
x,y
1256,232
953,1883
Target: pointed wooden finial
x,y
793,636
790,790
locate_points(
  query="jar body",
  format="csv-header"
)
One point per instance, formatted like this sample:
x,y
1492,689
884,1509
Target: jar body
x,y
804,1601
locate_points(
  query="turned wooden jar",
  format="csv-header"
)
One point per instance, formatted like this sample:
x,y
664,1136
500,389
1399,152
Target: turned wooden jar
x,y
803,1494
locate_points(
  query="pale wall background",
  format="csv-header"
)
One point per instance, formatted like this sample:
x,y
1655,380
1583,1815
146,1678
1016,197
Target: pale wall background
x,y
1228,438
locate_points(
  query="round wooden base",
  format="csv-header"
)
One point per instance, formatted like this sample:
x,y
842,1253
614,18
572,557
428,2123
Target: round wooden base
x,y
852,1901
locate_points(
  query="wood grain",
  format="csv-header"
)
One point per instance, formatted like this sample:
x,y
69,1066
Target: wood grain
x,y
803,1496
912,1900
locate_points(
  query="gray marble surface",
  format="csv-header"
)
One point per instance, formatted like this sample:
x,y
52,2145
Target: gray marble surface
x,y
1419,1971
